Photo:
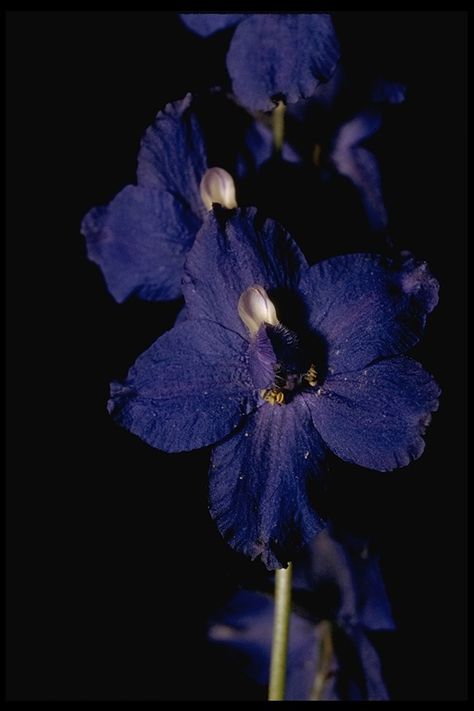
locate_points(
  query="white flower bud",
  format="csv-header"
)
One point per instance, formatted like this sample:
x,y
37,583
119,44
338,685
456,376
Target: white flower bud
x,y
255,308
218,186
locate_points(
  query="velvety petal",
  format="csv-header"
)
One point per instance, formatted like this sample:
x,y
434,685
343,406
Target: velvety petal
x,y
376,417
235,250
173,155
366,307
140,241
355,162
261,483
188,390
284,55
206,23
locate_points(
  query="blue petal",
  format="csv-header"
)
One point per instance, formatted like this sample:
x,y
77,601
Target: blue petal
x,y
283,56
140,241
358,164
206,23
173,157
234,250
261,482
365,307
189,390
376,417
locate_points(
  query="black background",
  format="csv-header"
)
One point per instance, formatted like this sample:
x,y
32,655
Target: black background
x,y
112,560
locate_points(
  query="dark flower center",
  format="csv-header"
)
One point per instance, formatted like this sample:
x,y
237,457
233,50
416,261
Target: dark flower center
x,y
294,371
279,360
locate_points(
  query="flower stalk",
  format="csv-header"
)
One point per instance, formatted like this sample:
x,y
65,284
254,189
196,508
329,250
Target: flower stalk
x,y
281,623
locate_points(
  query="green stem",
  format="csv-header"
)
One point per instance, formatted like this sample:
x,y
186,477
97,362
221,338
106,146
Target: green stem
x,y
326,651
278,121
281,623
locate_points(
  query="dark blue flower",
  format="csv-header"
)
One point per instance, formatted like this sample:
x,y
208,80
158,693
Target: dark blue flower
x,y
274,56
140,240
276,362
343,586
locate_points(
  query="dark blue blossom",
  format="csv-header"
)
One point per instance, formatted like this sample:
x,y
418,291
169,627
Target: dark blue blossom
x,y
276,362
343,586
274,56
140,240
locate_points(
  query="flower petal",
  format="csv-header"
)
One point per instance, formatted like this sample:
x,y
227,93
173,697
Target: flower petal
x,y
366,307
376,417
140,241
235,250
283,55
172,155
261,481
189,390
358,164
206,23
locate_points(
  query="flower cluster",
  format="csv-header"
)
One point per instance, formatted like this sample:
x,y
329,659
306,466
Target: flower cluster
x,y
277,361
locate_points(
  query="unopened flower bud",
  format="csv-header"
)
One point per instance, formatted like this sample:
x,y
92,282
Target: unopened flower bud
x,y
255,308
217,185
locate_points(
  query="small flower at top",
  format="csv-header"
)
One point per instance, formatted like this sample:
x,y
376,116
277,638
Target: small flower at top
x,y
273,56
276,362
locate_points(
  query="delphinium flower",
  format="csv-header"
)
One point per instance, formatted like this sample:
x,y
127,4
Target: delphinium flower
x,y
273,56
276,363
340,600
140,240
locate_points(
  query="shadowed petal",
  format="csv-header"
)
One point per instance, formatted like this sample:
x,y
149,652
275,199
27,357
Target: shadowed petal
x,y
283,55
232,252
206,23
357,593
140,241
376,417
173,156
365,307
358,164
261,482
188,390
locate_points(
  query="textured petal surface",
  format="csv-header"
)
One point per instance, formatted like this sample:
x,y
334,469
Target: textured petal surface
x,y
365,307
358,164
206,23
283,55
188,390
261,483
232,252
376,417
140,241
172,155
